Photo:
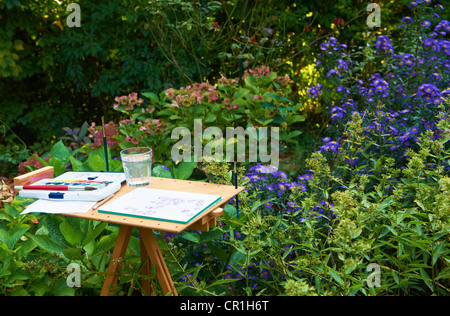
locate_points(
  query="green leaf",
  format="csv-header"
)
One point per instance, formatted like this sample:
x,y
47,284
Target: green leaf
x,y
211,235
160,172
4,237
59,167
278,120
296,118
191,237
11,210
60,152
268,105
335,276
241,93
294,134
426,278
229,211
210,117
94,233
77,165
105,243
72,253
437,251
222,281
184,170
444,274
72,235
47,244
25,247
150,95
278,97
96,163
20,291
15,234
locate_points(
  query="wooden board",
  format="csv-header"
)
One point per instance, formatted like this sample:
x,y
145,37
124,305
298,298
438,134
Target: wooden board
x,y
34,176
202,222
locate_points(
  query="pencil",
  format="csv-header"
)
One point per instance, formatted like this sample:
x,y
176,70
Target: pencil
x,y
96,206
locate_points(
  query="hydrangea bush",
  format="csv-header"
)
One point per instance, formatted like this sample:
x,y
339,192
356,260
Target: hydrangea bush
x,y
261,98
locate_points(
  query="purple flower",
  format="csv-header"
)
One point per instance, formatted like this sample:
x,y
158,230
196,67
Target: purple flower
x,y
315,91
280,174
384,43
333,71
343,89
330,146
429,92
265,274
408,20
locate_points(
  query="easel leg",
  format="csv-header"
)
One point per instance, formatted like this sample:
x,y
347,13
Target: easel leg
x,y
146,284
149,242
116,261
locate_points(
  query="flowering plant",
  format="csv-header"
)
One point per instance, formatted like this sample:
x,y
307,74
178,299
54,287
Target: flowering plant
x,y
260,99
96,134
400,100
139,128
375,192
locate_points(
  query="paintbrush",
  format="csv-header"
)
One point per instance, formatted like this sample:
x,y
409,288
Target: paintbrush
x,y
105,144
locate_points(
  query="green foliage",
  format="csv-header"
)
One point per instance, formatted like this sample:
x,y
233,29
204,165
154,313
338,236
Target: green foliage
x,y
315,236
13,150
35,251
67,76
261,100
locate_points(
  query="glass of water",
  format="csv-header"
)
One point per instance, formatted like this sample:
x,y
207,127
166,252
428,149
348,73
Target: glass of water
x,y
137,164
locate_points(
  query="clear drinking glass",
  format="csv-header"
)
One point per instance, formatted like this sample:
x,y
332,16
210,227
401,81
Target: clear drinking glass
x,y
137,164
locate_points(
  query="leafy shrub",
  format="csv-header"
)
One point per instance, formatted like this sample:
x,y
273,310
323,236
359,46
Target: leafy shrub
x,y
261,100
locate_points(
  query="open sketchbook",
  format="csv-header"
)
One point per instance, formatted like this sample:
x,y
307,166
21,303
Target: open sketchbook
x,y
172,206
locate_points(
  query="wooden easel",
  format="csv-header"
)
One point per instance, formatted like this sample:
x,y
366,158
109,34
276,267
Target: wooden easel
x,y
150,251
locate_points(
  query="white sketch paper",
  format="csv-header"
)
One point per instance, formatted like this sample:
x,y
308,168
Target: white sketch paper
x,y
173,206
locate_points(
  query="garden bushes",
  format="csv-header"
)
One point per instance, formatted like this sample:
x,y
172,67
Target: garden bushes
x,y
367,215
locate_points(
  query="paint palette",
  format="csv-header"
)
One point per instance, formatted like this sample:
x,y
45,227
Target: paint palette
x,y
99,180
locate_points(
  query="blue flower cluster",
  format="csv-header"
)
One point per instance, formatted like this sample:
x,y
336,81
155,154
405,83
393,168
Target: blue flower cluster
x,y
377,86
430,94
273,186
400,100
383,43
273,183
329,145
330,47
345,106
315,91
